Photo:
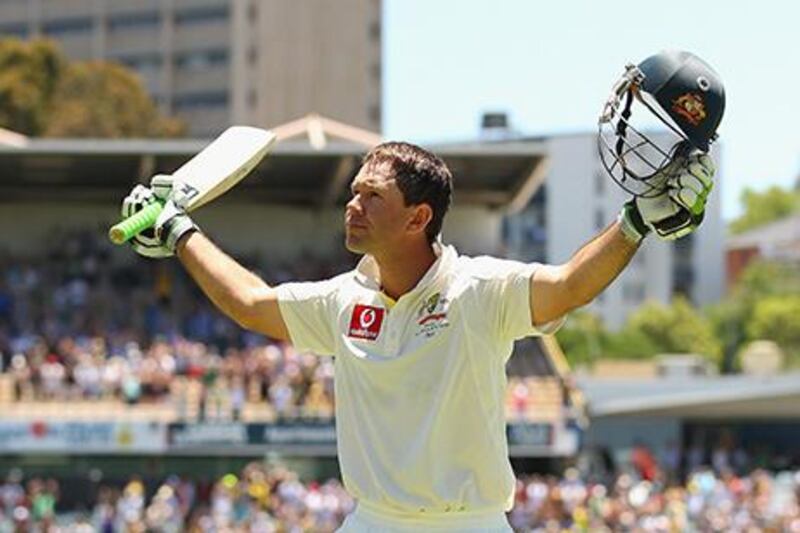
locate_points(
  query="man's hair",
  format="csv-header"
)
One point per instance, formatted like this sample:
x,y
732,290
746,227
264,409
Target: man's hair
x,y
422,177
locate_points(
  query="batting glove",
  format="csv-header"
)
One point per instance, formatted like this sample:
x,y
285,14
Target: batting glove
x,y
680,208
145,243
173,223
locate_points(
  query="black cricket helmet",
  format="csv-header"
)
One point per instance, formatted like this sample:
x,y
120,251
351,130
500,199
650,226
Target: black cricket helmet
x,y
684,93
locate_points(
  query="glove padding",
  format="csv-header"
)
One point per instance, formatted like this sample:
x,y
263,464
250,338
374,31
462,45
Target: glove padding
x,y
173,222
680,208
144,243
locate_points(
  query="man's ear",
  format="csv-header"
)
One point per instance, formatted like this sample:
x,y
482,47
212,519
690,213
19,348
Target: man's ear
x,y
420,219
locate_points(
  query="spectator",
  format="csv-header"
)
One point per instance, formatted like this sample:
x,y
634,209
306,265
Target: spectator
x,y
261,498
644,462
671,458
52,375
237,398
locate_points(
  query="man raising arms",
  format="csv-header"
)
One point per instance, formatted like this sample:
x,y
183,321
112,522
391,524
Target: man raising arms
x,y
421,334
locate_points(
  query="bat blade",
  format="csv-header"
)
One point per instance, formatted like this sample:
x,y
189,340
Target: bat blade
x,y
206,176
224,163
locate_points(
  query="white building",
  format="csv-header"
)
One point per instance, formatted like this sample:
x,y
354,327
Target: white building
x,y
219,62
578,199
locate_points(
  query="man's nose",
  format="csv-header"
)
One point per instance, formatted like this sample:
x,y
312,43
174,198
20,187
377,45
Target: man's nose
x,y
354,204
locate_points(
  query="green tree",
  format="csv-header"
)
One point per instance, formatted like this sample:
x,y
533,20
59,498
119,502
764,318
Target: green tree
x,y
731,318
677,328
119,106
763,207
777,318
767,278
582,338
630,343
728,319
42,94
29,73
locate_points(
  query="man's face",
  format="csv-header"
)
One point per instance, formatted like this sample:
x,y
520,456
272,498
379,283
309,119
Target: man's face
x,y
376,217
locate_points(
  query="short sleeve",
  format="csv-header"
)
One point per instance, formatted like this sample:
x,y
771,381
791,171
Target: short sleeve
x,y
308,311
504,292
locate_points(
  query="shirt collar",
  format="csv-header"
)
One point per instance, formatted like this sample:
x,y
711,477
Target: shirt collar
x,y
368,274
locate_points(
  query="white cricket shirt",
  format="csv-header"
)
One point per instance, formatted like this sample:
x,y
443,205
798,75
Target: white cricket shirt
x,y
420,383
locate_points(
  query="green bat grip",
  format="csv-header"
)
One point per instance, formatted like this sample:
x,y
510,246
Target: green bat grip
x,y
128,228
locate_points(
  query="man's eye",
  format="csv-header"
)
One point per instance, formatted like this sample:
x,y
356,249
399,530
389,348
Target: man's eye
x,y
365,194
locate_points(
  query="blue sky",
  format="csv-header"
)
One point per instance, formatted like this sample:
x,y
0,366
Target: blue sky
x,y
550,65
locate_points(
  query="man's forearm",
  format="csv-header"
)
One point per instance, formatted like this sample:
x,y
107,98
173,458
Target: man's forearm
x,y
598,263
229,285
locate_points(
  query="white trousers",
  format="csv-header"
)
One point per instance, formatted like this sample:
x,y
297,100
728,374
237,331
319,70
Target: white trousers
x,y
364,520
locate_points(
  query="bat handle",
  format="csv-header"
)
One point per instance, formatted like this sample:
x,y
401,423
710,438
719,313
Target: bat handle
x,y
131,226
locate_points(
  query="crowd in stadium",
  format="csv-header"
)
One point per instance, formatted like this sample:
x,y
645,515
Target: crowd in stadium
x,y
86,323
707,501
256,499
80,325
273,498
293,384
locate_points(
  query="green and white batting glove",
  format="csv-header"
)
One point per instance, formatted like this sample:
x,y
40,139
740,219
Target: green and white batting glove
x,y
145,243
173,222
680,208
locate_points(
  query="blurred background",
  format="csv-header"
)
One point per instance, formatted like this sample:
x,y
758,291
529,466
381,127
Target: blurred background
x,y
128,403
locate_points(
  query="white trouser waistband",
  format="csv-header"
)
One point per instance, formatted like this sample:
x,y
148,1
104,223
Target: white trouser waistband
x,y
371,518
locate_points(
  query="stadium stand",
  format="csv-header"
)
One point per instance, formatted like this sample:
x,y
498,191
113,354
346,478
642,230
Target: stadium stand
x,y
148,346
269,499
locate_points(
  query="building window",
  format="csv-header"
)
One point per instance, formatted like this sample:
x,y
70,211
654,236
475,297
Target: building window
x,y
14,30
375,113
683,275
201,15
134,20
375,30
684,245
201,59
375,71
68,26
539,200
599,219
633,292
193,101
143,61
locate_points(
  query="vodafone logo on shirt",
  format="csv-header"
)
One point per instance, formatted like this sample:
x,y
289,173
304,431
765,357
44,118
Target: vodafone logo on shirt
x,y
366,321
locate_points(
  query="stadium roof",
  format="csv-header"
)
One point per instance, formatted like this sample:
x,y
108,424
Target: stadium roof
x,y
696,397
312,166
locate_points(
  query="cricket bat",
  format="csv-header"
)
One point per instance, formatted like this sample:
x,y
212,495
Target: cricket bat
x,y
212,172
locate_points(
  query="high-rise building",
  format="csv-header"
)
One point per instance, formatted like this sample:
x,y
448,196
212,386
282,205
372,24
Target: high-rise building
x,y
578,199
217,62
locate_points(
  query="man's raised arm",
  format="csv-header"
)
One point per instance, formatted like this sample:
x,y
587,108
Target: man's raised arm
x,y
557,289
236,291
